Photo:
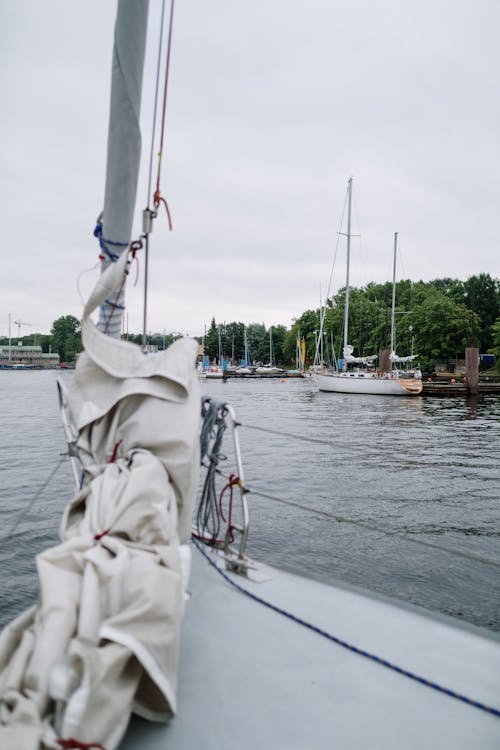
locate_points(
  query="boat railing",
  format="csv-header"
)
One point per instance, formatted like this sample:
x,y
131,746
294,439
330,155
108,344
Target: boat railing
x,y
215,524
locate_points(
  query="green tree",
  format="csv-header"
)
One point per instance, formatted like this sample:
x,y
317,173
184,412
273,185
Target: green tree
x,y
278,340
257,340
212,341
66,337
495,334
441,328
482,296
305,326
235,341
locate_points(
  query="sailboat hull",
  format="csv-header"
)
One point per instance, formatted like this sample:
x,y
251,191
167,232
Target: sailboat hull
x,y
368,383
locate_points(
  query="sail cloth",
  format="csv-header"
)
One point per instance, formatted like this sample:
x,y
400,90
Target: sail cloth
x,y
401,360
124,149
349,359
103,639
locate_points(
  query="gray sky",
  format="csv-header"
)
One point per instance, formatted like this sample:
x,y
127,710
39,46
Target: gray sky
x,y
272,106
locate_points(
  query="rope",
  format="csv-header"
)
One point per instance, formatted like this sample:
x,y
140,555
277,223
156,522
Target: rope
x,y
71,742
155,107
234,481
114,304
26,510
350,647
103,244
114,454
208,517
158,198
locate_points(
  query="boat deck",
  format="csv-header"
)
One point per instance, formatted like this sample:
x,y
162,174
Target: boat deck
x,y
253,678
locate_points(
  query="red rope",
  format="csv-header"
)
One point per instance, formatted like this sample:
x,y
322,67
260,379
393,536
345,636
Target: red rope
x,y
158,198
71,742
103,533
233,481
115,452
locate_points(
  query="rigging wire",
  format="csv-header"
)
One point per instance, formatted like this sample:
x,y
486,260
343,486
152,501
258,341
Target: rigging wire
x,y
373,528
35,497
157,198
322,311
155,106
253,490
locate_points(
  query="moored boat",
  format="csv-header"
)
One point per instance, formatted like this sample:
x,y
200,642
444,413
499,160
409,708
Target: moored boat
x,y
358,374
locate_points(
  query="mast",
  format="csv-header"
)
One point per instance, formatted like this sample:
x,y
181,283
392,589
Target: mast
x,y
124,149
10,339
247,360
271,345
346,307
393,312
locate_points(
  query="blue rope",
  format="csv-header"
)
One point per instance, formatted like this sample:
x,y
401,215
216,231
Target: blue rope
x,y
115,305
103,243
350,647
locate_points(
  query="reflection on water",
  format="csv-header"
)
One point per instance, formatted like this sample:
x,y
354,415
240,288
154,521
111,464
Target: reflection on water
x,y
420,468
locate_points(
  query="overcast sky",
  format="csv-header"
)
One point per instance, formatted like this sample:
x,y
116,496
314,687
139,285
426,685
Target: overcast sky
x,y
273,105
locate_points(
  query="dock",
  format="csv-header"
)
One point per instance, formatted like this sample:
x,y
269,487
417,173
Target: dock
x,y
459,389
229,374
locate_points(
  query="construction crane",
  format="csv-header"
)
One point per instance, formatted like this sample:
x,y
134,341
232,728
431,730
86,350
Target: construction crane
x,y
20,323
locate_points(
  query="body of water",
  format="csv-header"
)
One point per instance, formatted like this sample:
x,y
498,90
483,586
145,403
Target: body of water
x,y
381,473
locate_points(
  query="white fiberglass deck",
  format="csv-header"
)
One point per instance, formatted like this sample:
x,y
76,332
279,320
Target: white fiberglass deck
x,y
251,678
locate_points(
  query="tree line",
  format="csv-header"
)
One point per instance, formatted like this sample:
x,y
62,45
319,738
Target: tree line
x,y
436,320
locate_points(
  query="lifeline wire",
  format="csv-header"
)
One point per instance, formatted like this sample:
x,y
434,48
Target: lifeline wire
x,y
378,529
340,519
361,524
287,434
350,647
34,498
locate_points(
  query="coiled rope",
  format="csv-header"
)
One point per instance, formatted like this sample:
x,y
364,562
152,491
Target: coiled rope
x,y
350,647
214,425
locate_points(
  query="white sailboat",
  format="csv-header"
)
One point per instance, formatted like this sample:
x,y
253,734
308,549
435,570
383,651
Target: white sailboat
x,y
270,368
246,368
357,374
267,659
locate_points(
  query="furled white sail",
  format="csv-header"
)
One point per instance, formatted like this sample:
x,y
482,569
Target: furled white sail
x,y
104,638
395,359
350,359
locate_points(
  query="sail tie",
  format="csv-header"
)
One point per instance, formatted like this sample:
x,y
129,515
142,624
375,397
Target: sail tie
x,y
103,244
71,743
234,481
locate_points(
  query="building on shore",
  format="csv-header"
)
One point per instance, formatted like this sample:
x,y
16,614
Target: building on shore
x,y
26,357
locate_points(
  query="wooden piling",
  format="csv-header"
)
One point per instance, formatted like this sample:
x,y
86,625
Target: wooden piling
x,y
472,369
384,361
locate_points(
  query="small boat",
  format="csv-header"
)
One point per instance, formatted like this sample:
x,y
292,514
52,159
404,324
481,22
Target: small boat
x,y
270,368
358,375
